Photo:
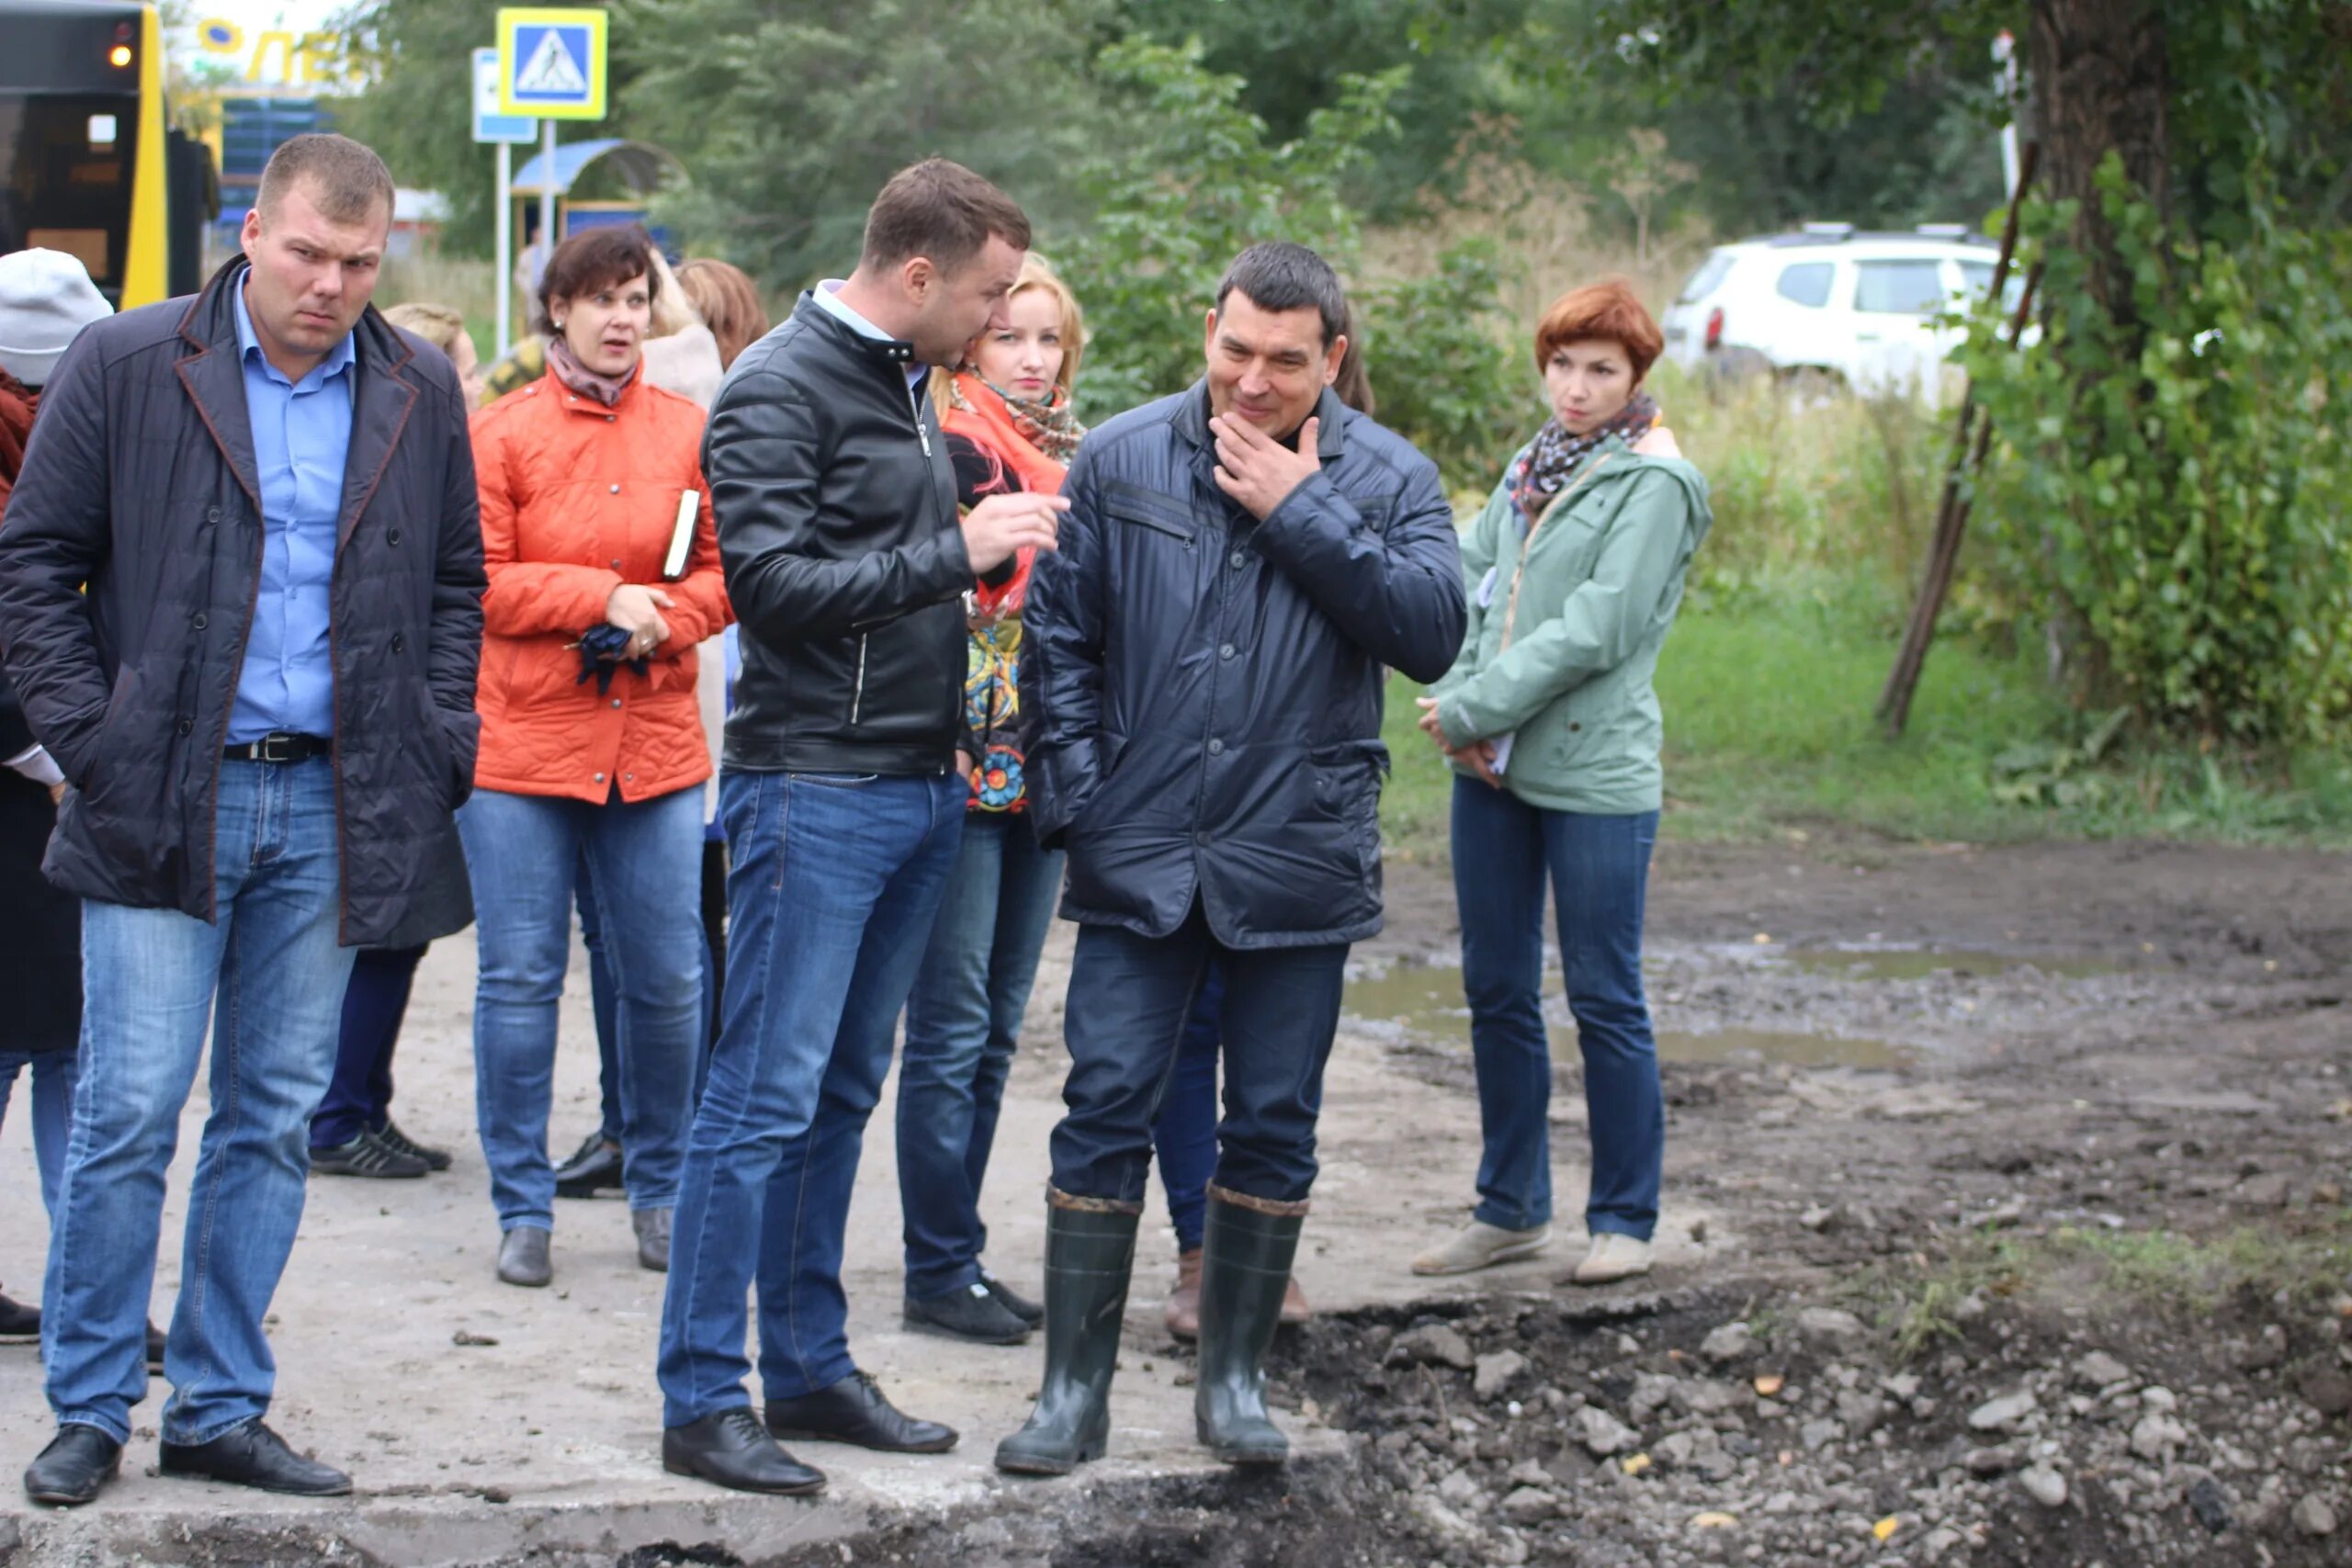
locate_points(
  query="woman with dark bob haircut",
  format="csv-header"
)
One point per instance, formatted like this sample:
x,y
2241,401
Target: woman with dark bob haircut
x,y
592,750
1574,572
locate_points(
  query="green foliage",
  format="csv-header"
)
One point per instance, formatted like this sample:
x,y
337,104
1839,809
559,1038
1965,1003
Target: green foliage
x,y
789,114
2174,479
1433,344
419,113
1200,182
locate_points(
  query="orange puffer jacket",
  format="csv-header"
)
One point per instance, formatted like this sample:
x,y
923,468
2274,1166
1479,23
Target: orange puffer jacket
x,y
577,500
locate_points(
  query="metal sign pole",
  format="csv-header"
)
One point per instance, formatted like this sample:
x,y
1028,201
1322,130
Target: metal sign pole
x,y
547,191
505,247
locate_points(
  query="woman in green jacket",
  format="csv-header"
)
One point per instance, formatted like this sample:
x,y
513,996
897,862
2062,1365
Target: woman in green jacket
x,y
1574,572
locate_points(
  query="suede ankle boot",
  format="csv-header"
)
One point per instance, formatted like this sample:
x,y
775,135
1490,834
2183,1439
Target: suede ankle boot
x,y
1245,1270
1089,1255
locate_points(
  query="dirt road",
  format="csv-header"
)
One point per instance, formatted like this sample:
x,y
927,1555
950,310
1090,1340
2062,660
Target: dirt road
x,y
2023,1170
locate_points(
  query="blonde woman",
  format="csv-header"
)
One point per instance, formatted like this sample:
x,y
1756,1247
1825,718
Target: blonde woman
x,y
1006,412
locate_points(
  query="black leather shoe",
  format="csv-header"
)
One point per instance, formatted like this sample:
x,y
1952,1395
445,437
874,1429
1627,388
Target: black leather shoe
x,y
434,1159
595,1167
19,1320
253,1455
972,1313
367,1154
1021,1306
78,1462
729,1449
854,1411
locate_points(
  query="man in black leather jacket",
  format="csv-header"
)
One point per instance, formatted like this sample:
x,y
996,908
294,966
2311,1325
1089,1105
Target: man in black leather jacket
x,y
1203,663
844,805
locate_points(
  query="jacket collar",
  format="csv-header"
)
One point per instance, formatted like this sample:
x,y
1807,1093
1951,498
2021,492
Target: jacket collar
x,y
1192,421
213,375
899,355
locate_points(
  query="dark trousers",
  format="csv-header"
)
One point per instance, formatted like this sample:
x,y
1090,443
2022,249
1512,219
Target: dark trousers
x,y
1130,999
601,998
359,1095
1184,1135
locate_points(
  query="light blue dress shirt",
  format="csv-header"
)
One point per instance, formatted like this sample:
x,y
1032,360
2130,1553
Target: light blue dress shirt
x,y
301,435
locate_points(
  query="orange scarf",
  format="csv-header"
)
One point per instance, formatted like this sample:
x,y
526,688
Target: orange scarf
x,y
979,414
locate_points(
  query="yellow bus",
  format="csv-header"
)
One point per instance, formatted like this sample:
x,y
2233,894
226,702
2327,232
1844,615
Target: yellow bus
x,y
89,164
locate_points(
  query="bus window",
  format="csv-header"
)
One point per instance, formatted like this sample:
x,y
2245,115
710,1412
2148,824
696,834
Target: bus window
x,y
65,178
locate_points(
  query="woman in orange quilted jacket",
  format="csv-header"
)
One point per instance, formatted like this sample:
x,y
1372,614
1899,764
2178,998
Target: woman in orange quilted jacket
x,y
604,576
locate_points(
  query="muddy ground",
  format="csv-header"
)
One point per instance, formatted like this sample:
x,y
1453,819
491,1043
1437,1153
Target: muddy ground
x,y
2005,1224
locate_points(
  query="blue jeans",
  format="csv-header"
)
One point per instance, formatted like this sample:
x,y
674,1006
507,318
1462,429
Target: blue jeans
x,y
1131,999
1184,1135
521,850
52,1076
605,1004
832,887
359,1096
1599,866
269,977
963,1025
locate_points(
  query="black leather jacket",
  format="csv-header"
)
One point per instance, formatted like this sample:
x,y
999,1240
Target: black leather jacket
x,y
1206,688
836,509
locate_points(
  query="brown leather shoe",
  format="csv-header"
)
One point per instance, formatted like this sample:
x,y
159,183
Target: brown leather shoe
x,y
1184,1301
1294,1308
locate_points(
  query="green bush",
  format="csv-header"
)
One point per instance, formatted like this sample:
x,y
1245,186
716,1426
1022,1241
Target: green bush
x,y
1435,349
1198,183
2173,481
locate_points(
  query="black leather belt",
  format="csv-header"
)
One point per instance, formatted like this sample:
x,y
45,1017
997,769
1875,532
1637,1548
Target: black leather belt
x,y
280,747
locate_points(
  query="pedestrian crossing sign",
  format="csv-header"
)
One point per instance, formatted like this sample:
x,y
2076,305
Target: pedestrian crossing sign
x,y
551,63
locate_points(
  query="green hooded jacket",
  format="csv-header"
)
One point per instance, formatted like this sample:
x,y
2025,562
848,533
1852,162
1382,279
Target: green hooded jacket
x,y
1565,627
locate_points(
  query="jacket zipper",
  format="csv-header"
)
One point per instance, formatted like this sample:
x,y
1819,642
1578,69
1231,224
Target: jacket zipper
x,y
1527,544
857,694
915,407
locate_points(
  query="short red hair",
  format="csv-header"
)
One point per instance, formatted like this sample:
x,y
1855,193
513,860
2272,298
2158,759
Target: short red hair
x,y
1606,310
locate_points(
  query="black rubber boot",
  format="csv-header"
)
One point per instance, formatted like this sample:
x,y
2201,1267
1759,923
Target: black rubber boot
x,y
1087,1257
1245,1268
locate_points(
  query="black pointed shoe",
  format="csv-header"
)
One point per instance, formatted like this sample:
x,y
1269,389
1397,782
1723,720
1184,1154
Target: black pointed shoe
x,y
1021,1306
593,1167
434,1159
731,1450
1246,1256
854,1411
1088,1257
970,1312
73,1468
252,1455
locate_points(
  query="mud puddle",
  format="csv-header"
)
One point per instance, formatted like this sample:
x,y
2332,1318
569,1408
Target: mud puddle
x,y
1421,1005
1921,963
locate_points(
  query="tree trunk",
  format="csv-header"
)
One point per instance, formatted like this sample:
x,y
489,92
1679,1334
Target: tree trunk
x,y
2101,85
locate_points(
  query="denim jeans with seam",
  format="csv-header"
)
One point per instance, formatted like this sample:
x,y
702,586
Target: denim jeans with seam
x,y
1504,851
833,882
963,1026
268,978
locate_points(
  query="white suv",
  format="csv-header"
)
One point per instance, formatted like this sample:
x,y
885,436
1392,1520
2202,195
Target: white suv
x,y
1859,308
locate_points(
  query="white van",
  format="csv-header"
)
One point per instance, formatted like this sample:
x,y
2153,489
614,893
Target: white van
x,y
1854,306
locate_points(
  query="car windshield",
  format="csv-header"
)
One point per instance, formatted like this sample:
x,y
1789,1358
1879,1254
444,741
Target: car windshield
x,y
1702,282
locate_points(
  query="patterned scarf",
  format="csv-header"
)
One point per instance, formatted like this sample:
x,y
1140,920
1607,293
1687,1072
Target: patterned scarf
x,y
565,367
1051,425
1554,456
